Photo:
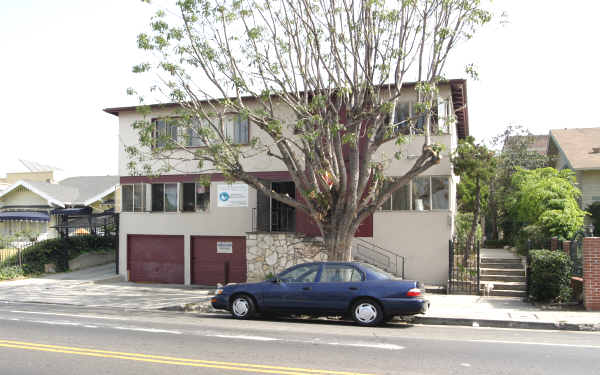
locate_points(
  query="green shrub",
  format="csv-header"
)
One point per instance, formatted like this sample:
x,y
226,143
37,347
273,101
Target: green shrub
x,y
59,251
464,220
550,276
11,272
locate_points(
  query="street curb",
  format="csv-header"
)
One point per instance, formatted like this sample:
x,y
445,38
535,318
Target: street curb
x,y
490,323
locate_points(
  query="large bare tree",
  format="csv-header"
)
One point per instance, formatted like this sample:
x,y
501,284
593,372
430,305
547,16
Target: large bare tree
x,y
338,65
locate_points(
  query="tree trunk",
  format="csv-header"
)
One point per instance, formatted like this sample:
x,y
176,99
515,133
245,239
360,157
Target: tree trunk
x,y
476,214
338,244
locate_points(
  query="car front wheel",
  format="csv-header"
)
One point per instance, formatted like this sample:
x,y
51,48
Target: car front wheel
x,y
242,307
367,312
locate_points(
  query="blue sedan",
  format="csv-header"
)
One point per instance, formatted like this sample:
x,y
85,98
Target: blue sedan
x,y
367,294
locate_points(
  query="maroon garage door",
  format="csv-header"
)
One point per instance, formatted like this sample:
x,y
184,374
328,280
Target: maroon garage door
x,y
155,259
219,259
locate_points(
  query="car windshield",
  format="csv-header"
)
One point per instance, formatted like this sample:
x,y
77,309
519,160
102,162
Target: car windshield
x,y
378,273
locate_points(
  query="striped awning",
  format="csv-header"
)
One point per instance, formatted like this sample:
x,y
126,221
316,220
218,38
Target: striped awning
x,y
24,215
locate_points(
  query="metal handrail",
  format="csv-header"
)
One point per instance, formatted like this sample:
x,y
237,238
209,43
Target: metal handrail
x,y
391,266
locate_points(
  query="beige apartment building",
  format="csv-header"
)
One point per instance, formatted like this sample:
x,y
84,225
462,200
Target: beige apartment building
x,y
175,230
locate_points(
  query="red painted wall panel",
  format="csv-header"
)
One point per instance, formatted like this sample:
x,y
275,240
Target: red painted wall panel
x,y
155,259
209,267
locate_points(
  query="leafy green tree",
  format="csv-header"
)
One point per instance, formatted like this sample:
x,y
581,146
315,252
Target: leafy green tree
x,y
547,199
513,147
337,67
476,166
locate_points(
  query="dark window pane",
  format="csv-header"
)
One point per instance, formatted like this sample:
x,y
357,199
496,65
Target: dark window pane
x,y
127,198
401,199
440,193
161,129
202,197
138,197
158,197
193,136
170,197
401,116
421,193
189,197
242,131
302,274
339,274
387,205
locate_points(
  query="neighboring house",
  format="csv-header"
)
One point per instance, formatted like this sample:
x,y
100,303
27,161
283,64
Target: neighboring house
x,y
34,207
579,150
175,230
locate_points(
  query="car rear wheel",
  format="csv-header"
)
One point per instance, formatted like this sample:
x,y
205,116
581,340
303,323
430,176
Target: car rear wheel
x,y
242,307
367,312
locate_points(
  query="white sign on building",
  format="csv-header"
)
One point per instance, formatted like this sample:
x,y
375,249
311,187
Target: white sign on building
x,y
224,247
232,195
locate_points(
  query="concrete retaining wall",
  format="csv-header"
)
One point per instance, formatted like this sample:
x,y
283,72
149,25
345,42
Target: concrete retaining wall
x,y
91,259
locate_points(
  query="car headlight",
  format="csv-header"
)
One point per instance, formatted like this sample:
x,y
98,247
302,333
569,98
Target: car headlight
x,y
219,291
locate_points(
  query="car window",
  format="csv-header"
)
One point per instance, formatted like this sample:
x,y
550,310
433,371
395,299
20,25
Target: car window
x,y
338,273
302,274
378,273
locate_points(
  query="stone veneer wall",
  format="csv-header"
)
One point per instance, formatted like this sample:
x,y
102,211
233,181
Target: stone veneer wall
x,y
272,252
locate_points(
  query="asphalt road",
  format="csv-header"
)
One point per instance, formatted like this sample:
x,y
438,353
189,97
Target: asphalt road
x,y
45,339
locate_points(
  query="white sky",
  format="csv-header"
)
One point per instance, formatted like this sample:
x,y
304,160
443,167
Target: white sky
x,y
63,61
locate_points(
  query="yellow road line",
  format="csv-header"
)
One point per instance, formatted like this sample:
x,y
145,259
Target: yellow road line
x,y
170,360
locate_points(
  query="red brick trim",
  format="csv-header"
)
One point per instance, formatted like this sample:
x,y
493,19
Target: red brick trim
x,y
591,273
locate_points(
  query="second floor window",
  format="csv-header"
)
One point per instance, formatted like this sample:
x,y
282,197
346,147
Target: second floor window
x,y
133,197
164,197
407,117
195,197
169,131
236,129
165,132
423,193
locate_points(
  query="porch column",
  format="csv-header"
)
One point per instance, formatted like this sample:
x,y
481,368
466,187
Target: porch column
x,y
591,273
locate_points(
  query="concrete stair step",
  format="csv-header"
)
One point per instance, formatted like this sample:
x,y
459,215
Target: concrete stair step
x,y
503,278
435,289
508,293
502,265
501,260
507,285
502,271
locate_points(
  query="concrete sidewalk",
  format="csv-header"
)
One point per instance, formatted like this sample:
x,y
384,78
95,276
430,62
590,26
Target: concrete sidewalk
x,y
504,312
99,287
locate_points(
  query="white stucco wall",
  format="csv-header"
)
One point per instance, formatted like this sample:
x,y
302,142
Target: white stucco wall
x,y
422,237
217,221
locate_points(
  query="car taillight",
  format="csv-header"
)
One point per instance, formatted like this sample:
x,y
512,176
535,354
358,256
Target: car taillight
x,y
414,292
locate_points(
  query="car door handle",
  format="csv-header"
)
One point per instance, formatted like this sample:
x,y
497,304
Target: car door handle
x,y
306,288
353,288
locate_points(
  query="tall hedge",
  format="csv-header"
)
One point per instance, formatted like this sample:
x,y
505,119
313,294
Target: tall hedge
x,y
59,251
550,276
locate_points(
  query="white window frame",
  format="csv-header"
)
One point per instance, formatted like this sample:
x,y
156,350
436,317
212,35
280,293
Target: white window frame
x,y
144,201
410,195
